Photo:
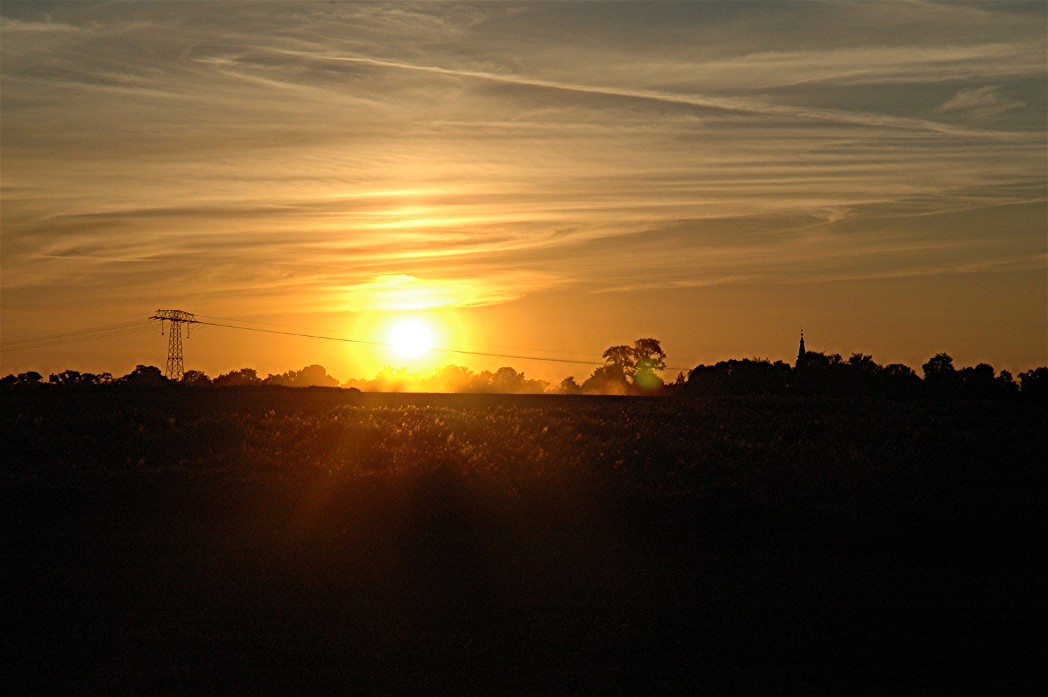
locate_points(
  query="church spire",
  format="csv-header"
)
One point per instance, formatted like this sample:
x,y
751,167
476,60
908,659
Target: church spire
x,y
801,352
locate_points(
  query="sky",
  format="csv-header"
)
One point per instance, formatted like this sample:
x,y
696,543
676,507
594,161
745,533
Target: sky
x,y
539,179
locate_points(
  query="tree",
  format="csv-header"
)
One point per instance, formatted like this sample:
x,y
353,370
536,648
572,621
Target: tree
x,y
607,379
1033,384
74,378
195,378
68,378
819,373
569,386
449,378
507,380
979,381
22,380
735,377
238,378
310,376
1006,384
939,367
648,361
863,362
315,376
940,377
627,367
899,380
144,376
620,357
30,378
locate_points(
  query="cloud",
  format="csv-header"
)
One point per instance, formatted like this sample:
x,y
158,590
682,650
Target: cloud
x,y
475,154
398,292
981,102
726,104
33,27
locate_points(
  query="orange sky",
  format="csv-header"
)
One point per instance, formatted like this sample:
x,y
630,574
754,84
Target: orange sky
x,y
543,180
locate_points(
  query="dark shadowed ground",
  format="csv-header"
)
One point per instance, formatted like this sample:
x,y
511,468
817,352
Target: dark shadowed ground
x,y
272,541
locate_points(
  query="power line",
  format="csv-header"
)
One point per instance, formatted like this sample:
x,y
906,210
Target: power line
x,y
70,336
264,324
312,329
140,326
385,344
388,345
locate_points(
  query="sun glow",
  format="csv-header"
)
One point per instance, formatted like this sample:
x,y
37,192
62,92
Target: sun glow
x,y
410,338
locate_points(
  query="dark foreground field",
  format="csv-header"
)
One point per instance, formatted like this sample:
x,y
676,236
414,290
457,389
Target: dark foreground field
x,y
293,542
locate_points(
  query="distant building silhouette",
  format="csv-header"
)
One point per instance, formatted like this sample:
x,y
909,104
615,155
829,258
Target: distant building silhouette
x,y
801,353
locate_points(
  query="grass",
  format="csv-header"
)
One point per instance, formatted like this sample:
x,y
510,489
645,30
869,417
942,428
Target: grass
x,y
276,541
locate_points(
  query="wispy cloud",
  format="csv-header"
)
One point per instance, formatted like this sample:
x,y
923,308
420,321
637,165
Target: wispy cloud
x,y
982,102
17,26
396,292
728,104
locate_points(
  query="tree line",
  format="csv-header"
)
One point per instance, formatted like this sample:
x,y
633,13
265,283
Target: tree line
x,y
150,375
629,370
820,374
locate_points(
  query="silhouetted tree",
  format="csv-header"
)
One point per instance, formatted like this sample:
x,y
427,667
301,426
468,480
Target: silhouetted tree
x,y
861,376
389,379
820,373
1006,384
620,357
863,362
818,360
900,380
648,361
144,376
569,386
979,382
607,379
756,376
939,374
938,366
449,378
507,380
22,380
195,378
74,378
310,376
1033,384
238,378
29,378
898,371
627,367
67,378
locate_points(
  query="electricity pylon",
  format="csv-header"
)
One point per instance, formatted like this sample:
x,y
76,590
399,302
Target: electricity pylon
x,y
175,368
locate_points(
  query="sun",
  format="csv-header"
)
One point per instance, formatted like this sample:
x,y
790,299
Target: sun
x,y
410,338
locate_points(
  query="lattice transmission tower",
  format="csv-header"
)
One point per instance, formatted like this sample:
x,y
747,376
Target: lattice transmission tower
x,y
175,368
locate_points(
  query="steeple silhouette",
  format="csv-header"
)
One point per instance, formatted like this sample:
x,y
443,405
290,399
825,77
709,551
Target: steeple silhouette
x,y
800,351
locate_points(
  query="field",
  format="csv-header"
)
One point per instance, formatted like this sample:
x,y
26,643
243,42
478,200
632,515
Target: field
x,y
282,541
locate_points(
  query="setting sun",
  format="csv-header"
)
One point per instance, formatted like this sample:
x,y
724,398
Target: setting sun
x,y
411,338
